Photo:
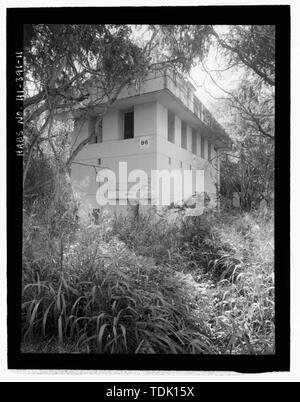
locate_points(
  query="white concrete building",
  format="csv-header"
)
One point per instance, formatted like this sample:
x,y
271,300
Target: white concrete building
x,y
160,125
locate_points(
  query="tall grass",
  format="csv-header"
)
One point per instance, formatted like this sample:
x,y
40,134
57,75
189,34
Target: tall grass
x,y
231,258
201,285
108,300
242,303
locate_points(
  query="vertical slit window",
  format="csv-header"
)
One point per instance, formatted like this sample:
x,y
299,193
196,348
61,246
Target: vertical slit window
x,y
209,151
171,127
99,132
128,125
95,131
183,136
194,142
202,148
215,157
92,128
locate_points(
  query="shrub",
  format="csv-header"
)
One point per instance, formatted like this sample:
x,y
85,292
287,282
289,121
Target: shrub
x,y
231,258
108,300
129,285
241,296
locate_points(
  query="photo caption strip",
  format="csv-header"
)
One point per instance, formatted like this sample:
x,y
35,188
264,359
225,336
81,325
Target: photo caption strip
x,y
19,96
144,391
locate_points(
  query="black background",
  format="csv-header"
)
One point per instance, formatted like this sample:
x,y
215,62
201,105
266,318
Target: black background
x,y
264,15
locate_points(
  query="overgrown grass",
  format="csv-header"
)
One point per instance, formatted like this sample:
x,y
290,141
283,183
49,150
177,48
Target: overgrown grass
x,y
201,285
108,300
231,257
242,300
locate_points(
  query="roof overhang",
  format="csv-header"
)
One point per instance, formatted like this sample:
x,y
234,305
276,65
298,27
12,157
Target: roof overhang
x,y
172,103
176,106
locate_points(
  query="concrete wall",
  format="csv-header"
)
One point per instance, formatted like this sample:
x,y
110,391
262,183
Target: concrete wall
x,y
145,119
177,131
168,152
189,138
173,156
150,122
112,126
115,149
161,121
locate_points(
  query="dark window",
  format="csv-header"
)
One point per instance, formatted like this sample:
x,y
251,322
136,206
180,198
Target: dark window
x,y
175,78
95,131
209,151
202,148
98,129
215,157
128,125
92,128
195,106
187,92
194,142
171,127
183,136
200,112
170,161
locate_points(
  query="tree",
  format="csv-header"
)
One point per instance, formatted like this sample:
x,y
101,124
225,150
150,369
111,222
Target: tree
x,y
63,61
247,113
247,110
180,46
252,46
249,171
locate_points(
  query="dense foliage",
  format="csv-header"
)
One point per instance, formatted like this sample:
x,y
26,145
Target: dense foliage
x,y
128,285
196,287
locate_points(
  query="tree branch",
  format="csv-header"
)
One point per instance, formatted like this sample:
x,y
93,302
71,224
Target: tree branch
x,y
235,50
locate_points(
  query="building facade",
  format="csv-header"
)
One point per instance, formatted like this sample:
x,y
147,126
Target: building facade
x,y
161,125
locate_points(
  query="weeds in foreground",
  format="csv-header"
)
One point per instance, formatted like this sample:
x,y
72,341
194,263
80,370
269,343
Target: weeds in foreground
x,y
108,300
231,258
203,285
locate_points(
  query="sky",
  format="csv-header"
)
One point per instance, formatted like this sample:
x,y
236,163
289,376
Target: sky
x,y
206,90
